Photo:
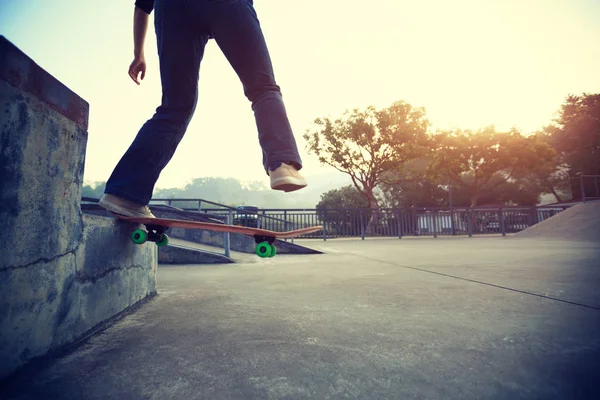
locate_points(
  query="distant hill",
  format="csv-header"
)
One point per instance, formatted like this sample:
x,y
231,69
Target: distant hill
x,y
233,192
305,198
317,185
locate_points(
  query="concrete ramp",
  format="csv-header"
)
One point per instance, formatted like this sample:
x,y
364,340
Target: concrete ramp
x,y
580,223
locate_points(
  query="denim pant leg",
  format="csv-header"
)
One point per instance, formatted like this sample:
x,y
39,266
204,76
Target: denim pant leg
x,y
236,29
180,51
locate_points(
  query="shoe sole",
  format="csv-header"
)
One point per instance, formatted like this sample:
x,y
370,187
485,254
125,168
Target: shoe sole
x,y
288,184
115,208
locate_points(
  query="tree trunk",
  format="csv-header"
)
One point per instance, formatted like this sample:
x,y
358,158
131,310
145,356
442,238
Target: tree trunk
x,y
474,224
373,213
474,199
558,199
373,203
474,192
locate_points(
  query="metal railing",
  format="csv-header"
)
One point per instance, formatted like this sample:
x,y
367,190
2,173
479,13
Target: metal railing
x,y
382,222
231,215
414,221
387,222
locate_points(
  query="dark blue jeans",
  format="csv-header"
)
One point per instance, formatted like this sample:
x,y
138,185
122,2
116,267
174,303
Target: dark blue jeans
x,y
183,27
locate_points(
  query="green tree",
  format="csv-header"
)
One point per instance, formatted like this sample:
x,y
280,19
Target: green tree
x,y
338,211
481,161
418,193
412,185
575,135
345,197
515,193
366,144
551,177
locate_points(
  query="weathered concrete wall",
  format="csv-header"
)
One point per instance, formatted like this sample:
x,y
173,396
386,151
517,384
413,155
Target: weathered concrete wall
x,y
53,302
61,274
41,163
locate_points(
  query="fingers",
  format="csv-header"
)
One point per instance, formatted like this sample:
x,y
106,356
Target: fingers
x,y
133,72
133,76
137,69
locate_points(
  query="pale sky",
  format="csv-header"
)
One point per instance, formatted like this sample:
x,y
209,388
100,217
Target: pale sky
x,y
470,63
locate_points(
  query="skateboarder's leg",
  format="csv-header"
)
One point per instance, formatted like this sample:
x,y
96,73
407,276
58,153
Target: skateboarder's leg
x,y
180,50
236,29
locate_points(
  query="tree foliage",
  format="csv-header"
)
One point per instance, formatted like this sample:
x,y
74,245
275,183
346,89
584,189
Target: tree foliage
x,y
344,197
418,193
343,210
501,192
575,135
366,144
550,177
413,185
487,158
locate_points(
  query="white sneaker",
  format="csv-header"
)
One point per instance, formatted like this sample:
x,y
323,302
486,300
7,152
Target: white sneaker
x,y
124,207
286,178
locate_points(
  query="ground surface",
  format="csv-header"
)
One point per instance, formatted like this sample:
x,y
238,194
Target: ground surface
x,y
501,318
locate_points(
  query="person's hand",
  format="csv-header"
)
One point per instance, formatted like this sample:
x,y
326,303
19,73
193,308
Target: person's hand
x,y
137,67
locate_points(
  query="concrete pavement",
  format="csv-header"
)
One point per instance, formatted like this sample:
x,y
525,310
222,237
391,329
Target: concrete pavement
x,y
500,318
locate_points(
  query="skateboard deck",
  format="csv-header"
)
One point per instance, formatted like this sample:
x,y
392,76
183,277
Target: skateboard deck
x,y
264,238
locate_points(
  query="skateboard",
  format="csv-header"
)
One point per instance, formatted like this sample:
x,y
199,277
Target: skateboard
x,y
263,238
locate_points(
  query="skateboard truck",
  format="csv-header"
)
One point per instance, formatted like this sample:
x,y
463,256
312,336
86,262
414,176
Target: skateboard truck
x,y
155,234
264,246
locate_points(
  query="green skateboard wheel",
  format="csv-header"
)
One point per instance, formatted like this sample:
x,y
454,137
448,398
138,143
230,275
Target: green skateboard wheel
x,y
273,251
139,236
263,249
164,240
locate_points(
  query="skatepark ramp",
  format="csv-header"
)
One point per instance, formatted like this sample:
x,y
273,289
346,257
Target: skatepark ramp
x,y
579,223
63,274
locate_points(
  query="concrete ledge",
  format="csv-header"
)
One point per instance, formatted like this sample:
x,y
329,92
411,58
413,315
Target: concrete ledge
x,y
61,273
51,303
21,72
42,157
